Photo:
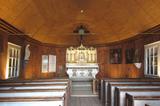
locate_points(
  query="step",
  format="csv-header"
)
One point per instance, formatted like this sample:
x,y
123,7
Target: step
x,y
82,79
81,83
80,93
88,88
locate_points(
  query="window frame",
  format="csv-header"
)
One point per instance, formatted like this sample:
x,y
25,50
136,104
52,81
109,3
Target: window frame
x,y
13,60
149,58
48,63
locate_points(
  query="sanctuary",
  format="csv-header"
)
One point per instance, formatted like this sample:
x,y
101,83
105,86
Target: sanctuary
x,y
82,65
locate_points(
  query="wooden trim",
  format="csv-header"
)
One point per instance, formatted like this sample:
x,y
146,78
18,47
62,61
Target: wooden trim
x,y
11,30
129,100
28,85
140,84
5,26
146,97
131,79
139,89
31,90
28,99
38,80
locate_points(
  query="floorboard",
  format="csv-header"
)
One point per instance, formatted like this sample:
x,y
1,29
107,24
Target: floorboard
x,y
85,101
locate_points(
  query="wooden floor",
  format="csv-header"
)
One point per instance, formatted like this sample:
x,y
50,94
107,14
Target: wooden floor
x,y
85,101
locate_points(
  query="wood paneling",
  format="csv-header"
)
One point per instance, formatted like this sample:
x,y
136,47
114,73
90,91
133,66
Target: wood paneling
x,y
32,68
124,70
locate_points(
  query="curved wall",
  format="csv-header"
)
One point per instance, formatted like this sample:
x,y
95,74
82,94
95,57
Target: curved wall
x,y
32,69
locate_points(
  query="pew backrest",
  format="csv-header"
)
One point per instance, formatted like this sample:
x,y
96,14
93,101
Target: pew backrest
x,y
121,92
111,89
132,100
125,81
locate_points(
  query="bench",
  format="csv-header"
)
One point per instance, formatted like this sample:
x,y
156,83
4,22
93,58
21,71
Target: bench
x,y
120,93
105,82
37,80
111,89
38,85
30,101
36,96
142,100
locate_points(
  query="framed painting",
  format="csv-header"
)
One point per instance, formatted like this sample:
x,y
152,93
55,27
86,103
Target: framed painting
x,y
129,55
116,56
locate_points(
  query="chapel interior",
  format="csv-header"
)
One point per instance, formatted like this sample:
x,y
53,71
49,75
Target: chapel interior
x,y
79,52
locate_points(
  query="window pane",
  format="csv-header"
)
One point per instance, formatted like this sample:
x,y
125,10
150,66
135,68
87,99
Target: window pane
x,y
13,60
45,63
155,70
147,61
152,58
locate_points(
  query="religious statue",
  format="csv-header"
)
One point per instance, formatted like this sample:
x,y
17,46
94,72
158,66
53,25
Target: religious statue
x,y
27,52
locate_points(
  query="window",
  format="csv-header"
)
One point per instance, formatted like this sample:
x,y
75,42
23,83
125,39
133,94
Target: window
x,y
13,61
152,59
48,63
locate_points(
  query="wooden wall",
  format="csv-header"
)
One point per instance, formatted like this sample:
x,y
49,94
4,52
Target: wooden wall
x,y
32,68
29,69
124,70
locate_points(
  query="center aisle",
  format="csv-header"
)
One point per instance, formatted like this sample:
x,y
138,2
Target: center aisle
x,y
85,101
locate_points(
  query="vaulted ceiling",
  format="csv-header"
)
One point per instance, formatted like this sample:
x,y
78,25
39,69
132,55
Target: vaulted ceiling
x,y
53,21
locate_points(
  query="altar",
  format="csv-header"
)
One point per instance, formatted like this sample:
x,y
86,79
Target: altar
x,y
82,68
82,72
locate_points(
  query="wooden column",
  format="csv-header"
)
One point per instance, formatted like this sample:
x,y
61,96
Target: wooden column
x,y
3,54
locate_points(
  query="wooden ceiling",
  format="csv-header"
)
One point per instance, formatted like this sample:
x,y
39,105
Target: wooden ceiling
x,y
53,21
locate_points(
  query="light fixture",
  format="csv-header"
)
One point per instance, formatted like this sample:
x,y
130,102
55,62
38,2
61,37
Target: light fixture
x,y
82,11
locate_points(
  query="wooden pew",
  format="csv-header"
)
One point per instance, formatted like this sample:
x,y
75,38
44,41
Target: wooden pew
x,y
32,101
142,100
37,80
63,87
120,93
32,86
105,82
111,89
36,96
39,84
